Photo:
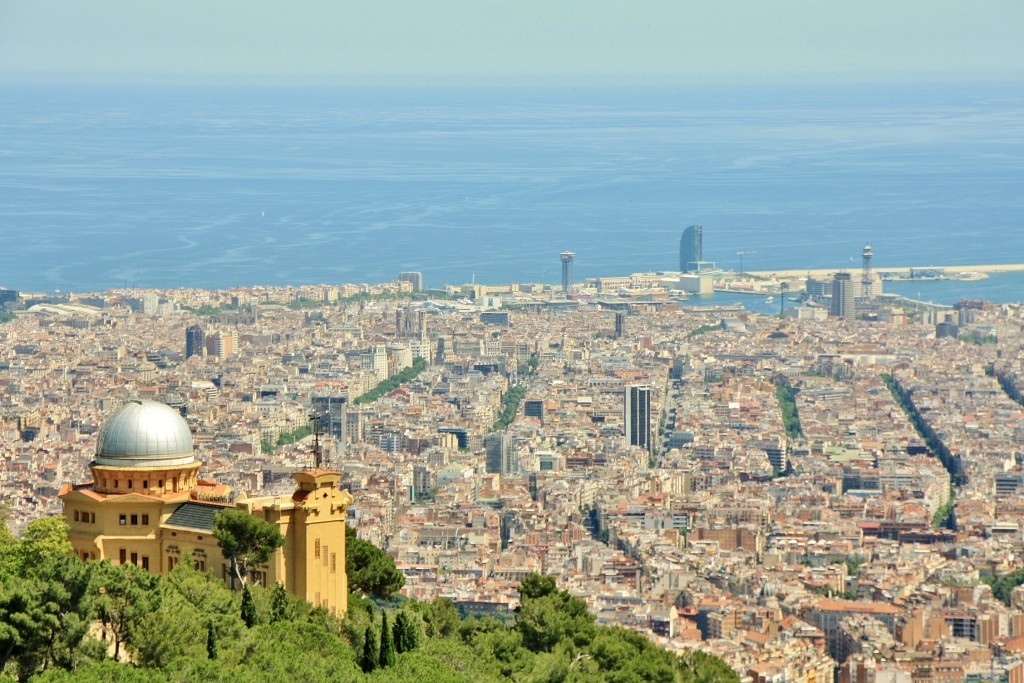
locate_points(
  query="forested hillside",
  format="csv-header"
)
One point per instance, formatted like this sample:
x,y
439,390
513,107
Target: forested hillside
x,y
63,619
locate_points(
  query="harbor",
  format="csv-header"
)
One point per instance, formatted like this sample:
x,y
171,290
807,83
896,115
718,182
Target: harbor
x,y
904,271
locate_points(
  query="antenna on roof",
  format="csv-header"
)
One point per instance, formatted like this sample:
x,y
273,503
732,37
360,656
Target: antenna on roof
x,y
318,456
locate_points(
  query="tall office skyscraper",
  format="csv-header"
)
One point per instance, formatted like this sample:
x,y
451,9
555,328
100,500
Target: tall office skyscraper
x,y
222,343
415,278
502,455
843,301
637,415
333,412
691,249
195,341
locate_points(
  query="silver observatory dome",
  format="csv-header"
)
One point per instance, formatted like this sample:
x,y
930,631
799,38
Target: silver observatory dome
x,y
145,434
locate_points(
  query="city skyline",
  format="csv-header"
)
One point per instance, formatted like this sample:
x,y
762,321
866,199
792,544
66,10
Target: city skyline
x,y
299,261
788,490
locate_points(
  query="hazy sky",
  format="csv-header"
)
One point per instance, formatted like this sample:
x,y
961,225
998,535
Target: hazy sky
x,y
473,41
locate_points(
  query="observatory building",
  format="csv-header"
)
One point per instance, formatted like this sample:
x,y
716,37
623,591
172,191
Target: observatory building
x,y
147,506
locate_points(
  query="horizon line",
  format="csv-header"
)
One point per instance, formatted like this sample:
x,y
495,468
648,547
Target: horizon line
x,y
503,81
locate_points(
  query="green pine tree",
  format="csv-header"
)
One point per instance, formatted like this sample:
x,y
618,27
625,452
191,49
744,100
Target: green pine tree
x,y
248,607
387,644
211,641
278,603
406,634
371,652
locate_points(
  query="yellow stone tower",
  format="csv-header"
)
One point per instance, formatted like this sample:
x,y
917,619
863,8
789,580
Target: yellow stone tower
x,y
146,506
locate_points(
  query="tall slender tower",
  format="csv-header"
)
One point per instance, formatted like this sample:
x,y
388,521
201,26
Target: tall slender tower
x,y
566,258
866,289
637,415
691,248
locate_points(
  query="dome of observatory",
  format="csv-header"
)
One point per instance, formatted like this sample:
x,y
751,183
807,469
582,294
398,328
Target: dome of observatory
x,y
145,434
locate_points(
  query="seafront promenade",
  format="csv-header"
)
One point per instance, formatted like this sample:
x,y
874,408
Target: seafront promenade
x,y
818,272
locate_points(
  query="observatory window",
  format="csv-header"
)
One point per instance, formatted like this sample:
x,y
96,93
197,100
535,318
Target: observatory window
x,y
145,483
92,518
145,520
76,516
135,559
325,555
316,548
135,520
122,519
145,563
122,555
130,482
334,562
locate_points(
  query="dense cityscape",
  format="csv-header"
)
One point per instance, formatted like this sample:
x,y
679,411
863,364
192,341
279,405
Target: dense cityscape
x,y
834,490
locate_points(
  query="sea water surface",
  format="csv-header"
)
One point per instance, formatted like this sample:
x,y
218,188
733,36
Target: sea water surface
x,y
177,187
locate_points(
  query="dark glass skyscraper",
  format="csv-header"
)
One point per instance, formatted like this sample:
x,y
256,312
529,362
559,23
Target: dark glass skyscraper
x,y
195,341
637,416
502,456
691,249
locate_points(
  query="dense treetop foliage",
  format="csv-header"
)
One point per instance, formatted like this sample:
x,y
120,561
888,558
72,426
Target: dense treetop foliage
x,y
66,620
371,571
787,402
245,540
510,406
393,382
1003,584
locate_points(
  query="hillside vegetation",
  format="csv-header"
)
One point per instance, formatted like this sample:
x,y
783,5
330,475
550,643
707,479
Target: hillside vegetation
x,y
63,619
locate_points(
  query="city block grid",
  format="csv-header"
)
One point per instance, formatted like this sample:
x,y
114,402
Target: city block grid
x,y
792,494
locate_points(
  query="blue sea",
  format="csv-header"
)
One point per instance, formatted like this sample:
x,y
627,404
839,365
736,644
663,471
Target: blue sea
x,y
104,187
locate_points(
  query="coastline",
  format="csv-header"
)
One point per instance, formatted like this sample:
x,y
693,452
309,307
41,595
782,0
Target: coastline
x,y
984,268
